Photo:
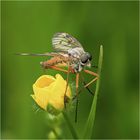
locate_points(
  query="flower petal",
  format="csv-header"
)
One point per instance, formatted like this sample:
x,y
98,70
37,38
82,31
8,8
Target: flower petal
x,y
40,101
50,91
58,91
44,81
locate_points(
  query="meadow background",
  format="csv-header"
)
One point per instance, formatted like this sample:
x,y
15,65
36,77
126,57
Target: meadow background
x,y
29,27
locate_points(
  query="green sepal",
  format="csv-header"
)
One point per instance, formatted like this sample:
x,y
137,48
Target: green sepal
x,y
52,110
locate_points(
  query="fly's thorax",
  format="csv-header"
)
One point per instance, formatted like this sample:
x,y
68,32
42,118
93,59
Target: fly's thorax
x,y
80,60
74,55
76,52
77,67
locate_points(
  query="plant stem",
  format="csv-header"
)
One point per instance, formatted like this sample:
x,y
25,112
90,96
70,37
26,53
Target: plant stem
x,y
91,117
71,128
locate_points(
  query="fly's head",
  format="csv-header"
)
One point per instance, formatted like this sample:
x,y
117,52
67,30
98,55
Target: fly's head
x,y
86,59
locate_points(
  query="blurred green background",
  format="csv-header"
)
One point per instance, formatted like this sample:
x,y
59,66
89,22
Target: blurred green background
x,y
29,27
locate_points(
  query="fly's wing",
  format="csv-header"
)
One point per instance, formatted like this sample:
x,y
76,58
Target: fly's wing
x,y
39,54
63,42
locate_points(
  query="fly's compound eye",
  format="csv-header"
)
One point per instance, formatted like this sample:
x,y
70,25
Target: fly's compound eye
x,y
84,59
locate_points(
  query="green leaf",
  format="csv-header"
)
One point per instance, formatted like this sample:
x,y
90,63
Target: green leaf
x,y
91,117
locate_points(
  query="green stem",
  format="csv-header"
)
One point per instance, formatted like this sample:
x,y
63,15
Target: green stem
x,y
57,136
91,117
71,128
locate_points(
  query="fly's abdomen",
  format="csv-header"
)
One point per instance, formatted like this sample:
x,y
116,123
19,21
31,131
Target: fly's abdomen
x,y
54,61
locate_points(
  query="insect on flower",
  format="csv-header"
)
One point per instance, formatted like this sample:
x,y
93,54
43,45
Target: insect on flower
x,y
68,52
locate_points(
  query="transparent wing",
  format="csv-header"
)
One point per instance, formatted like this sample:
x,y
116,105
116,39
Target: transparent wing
x,y
43,54
63,42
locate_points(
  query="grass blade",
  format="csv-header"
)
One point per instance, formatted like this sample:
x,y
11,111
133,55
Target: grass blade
x,y
91,117
71,128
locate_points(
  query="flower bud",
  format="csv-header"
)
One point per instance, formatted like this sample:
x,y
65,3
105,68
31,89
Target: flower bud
x,y
49,93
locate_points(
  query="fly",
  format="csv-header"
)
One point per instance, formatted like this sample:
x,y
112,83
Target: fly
x,y
68,52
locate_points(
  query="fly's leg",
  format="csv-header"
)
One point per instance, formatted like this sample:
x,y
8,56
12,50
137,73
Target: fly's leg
x,y
57,68
85,84
93,74
77,85
65,97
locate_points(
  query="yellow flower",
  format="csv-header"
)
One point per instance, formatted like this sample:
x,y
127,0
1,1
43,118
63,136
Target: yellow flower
x,y
49,90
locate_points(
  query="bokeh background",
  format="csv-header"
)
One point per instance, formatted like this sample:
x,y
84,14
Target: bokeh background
x,y
29,27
